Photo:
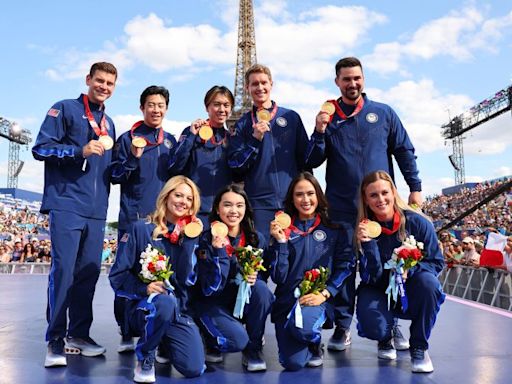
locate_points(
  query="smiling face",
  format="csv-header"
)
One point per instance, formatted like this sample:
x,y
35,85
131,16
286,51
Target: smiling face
x,y
305,199
154,110
219,110
259,87
179,203
350,81
101,86
380,198
231,211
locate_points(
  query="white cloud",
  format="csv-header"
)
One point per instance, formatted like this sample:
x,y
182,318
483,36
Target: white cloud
x,y
125,122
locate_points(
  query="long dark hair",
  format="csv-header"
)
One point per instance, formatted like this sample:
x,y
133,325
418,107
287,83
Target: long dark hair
x,y
323,205
247,223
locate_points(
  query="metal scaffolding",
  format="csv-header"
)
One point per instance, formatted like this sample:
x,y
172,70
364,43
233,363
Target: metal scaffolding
x,y
17,137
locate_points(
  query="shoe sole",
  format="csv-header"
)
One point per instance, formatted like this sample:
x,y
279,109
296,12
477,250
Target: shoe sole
x,y
162,360
388,357
71,350
214,359
253,368
55,363
314,364
337,347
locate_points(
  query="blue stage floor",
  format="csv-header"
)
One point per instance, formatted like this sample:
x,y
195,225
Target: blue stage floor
x,y
468,345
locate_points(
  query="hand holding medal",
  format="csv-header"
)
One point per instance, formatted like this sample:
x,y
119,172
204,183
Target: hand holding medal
x,y
194,228
368,230
106,141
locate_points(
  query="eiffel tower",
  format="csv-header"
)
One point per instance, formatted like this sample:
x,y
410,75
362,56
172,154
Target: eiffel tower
x,y
245,57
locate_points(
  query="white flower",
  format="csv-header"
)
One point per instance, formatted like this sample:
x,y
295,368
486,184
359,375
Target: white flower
x,y
420,245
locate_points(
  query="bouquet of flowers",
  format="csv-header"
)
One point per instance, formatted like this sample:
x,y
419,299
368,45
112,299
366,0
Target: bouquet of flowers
x,y
314,281
250,261
155,266
403,258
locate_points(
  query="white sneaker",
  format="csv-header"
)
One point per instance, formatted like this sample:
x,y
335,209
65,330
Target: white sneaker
x,y
386,351
339,340
55,356
400,342
144,371
126,344
420,361
86,346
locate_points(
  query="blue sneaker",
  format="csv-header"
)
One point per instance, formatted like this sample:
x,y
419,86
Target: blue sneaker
x,y
317,360
144,371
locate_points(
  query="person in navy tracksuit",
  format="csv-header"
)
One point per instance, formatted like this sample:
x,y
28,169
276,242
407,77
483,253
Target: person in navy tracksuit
x,y
266,154
74,142
217,270
205,161
361,136
311,242
155,311
379,201
141,172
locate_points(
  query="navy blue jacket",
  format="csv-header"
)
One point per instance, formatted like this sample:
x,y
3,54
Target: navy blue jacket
x,y
141,179
72,183
357,146
375,253
326,247
217,271
124,275
204,163
268,166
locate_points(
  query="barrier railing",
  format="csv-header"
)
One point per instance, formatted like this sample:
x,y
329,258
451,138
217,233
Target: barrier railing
x,y
486,286
38,268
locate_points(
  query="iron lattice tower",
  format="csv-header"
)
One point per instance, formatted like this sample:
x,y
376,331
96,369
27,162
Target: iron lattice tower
x,y
17,137
245,57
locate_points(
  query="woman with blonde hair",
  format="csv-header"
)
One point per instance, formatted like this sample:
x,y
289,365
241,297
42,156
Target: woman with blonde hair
x,y
157,311
422,296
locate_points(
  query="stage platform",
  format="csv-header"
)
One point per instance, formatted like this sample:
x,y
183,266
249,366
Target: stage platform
x,y
471,343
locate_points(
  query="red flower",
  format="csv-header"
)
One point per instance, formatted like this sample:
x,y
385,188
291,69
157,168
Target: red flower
x,y
308,275
315,274
151,267
403,253
416,254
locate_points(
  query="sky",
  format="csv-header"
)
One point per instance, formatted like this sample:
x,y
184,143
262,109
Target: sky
x,y
429,61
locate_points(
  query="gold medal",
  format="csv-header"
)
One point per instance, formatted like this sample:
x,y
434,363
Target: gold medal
x,y
373,228
283,220
193,229
205,132
263,115
139,142
106,141
219,229
328,108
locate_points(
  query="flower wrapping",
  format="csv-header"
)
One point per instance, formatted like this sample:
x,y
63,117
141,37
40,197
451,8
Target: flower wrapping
x,y
250,260
403,258
155,266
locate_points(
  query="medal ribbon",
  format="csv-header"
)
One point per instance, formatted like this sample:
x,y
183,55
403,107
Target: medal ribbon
x,y
339,111
94,125
294,229
180,224
241,243
160,138
272,113
396,225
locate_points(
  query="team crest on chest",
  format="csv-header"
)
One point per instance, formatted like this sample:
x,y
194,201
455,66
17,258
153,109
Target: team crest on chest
x,y
319,235
168,143
372,117
281,121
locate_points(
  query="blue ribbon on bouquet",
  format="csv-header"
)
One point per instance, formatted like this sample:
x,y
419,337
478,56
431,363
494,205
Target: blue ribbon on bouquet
x,y
242,297
296,310
396,283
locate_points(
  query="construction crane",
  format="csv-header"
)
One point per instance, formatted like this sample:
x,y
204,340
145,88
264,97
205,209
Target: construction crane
x,y
484,111
17,137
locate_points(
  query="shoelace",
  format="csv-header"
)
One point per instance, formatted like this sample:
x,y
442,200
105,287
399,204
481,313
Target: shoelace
x,y
148,363
417,354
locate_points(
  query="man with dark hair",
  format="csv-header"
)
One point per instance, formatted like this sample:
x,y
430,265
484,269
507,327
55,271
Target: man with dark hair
x,y
140,166
357,136
74,142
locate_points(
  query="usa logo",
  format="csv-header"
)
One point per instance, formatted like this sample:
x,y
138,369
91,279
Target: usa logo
x,y
281,121
319,235
53,112
372,117
168,143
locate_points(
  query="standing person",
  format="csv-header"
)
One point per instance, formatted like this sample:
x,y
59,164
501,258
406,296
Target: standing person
x,y
360,136
311,242
158,311
379,200
267,148
218,268
141,170
201,153
74,142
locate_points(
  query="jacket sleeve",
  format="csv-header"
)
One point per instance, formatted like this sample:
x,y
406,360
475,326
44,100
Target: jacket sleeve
x,y
185,273
51,145
243,147
301,146
123,161
371,264
400,146
213,267
344,260
433,260
277,255
180,153
123,276
316,152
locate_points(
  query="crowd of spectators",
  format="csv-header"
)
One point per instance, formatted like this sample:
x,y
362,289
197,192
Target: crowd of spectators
x,y
463,242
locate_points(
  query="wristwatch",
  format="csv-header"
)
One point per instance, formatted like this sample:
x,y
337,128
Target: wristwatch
x,y
325,293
